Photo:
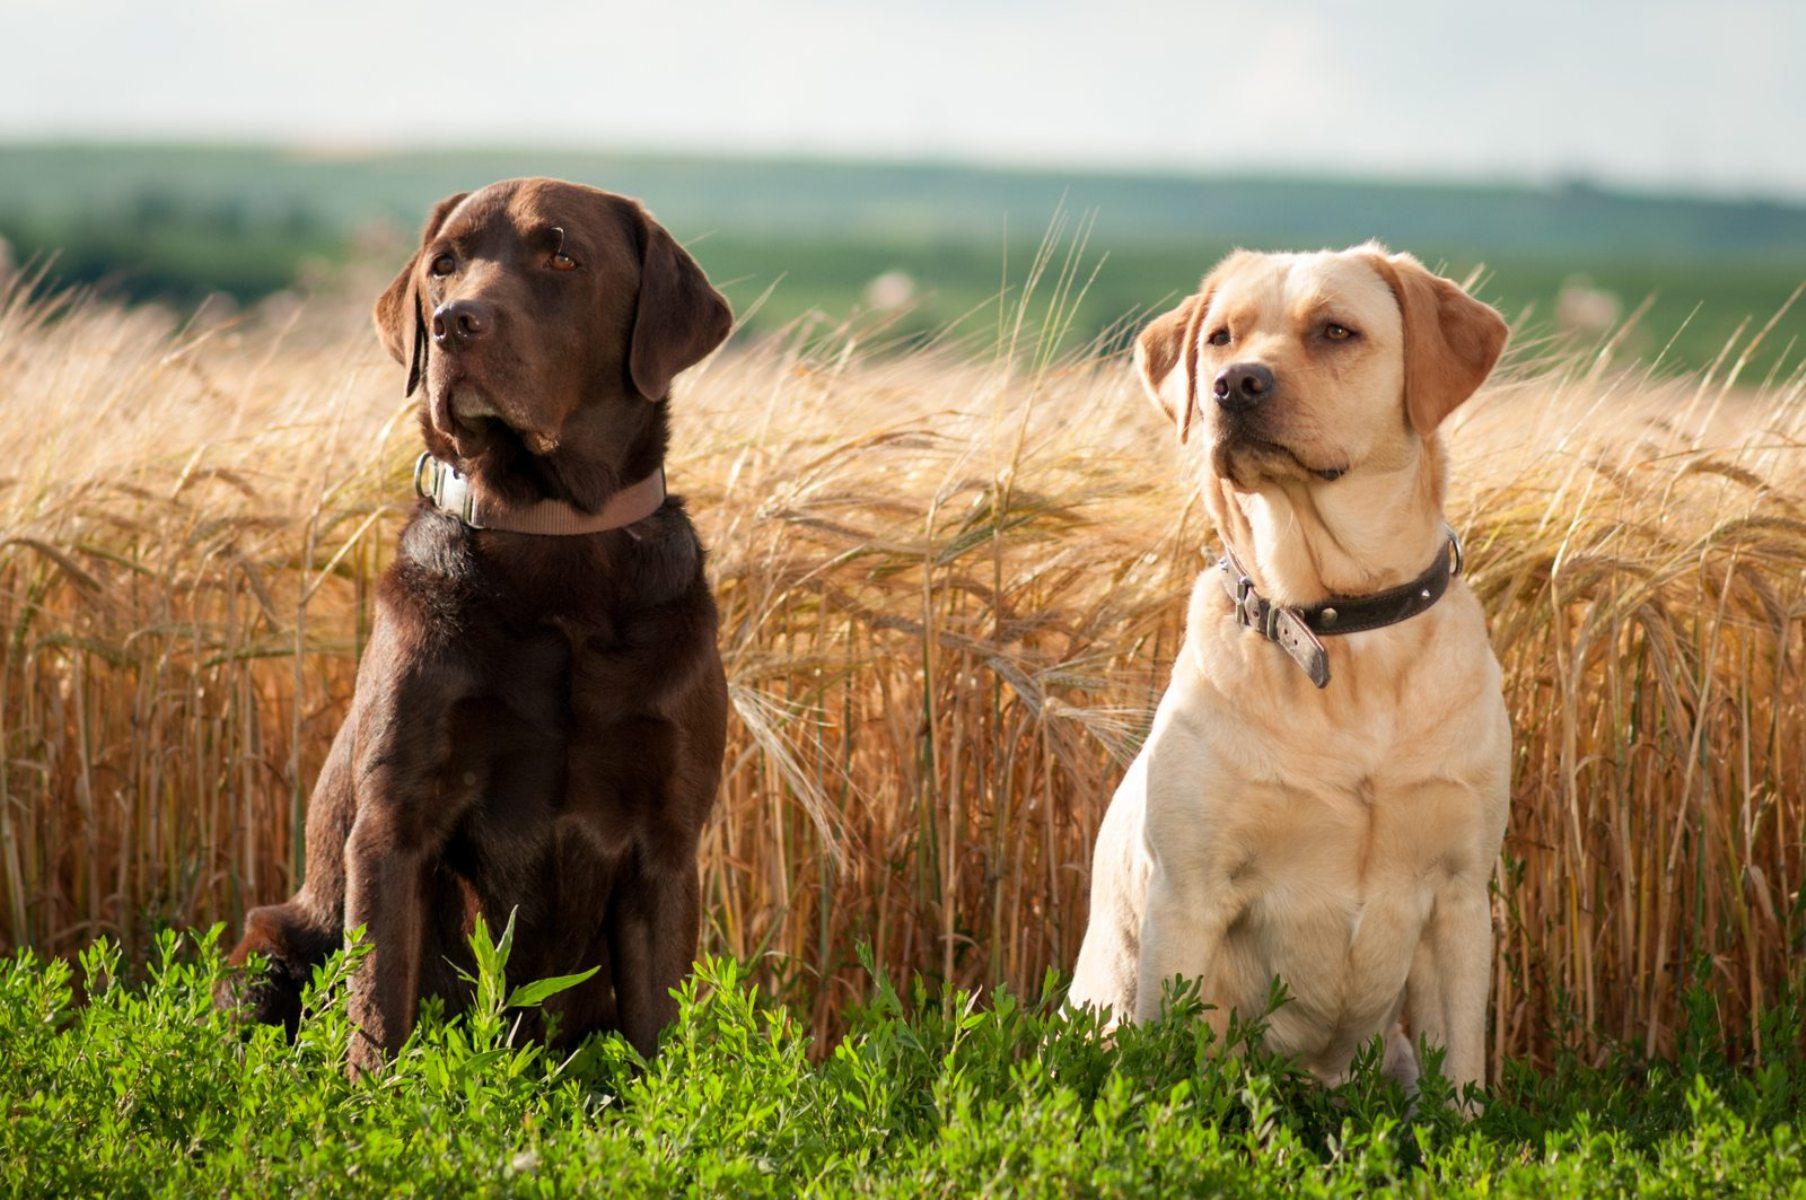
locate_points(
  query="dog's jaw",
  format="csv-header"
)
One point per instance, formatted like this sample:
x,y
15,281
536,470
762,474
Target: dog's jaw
x,y
1245,462
470,405
460,410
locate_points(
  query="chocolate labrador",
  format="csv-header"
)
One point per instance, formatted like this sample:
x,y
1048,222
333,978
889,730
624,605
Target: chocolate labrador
x,y
540,714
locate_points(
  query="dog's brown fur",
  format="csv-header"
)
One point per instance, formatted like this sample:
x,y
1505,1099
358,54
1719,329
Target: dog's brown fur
x,y
539,722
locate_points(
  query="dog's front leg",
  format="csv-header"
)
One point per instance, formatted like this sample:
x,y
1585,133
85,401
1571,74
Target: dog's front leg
x,y
410,794
384,876
1181,934
1190,899
652,932
1105,976
1445,996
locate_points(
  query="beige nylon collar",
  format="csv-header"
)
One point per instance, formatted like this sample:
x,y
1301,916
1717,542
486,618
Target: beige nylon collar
x,y
451,491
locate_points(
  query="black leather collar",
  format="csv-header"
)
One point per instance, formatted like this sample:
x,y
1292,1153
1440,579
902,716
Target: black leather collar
x,y
1296,630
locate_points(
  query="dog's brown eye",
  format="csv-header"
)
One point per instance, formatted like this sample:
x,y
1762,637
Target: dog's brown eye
x,y
444,264
563,262
1219,338
1337,333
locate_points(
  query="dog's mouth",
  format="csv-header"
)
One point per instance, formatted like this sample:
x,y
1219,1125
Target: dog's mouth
x,y
459,409
472,418
1233,450
471,406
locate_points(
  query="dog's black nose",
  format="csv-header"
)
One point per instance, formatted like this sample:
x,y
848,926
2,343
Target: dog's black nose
x,y
1241,386
459,322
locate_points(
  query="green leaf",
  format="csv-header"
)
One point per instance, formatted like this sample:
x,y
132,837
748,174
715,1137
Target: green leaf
x,y
530,995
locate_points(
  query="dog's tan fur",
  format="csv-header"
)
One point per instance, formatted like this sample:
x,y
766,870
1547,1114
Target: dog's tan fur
x,y
1339,840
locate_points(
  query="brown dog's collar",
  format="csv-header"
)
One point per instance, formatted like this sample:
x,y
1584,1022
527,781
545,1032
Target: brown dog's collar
x,y
1296,630
451,491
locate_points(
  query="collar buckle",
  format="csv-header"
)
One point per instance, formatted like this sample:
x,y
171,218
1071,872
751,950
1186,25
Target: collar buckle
x,y
1247,603
1252,610
446,488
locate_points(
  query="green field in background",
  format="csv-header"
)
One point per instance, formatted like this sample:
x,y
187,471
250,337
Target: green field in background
x,y
177,223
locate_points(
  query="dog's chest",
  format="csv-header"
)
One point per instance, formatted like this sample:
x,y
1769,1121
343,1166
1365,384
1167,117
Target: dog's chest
x,y
560,698
621,749
1333,890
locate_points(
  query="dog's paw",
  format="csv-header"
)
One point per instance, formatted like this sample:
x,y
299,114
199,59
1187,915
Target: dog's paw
x,y
289,944
266,995
1401,1063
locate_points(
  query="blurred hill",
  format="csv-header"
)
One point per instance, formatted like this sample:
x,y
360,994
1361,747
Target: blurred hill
x,y
181,222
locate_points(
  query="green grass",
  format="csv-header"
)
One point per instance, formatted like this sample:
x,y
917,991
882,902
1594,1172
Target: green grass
x,y
143,1088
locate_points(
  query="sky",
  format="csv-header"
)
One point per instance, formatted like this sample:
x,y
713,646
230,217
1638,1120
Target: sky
x,y
1663,95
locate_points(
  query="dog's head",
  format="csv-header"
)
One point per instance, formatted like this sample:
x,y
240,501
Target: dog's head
x,y
536,307
1308,368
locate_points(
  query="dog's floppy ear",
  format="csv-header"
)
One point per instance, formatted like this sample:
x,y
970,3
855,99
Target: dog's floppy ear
x,y
1166,356
400,323
679,317
1451,340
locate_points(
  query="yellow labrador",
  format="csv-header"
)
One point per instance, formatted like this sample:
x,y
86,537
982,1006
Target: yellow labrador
x,y
1324,790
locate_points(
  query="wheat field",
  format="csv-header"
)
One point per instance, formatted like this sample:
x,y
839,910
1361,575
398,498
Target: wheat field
x,y
951,579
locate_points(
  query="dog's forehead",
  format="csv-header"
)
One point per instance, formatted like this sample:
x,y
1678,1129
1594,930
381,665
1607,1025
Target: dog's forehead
x,y
1283,286
522,206
1249,279
1344,282
481,209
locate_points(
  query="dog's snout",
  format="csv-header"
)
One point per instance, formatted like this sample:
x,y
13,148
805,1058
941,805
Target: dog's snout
x,y
1243,385
459,322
